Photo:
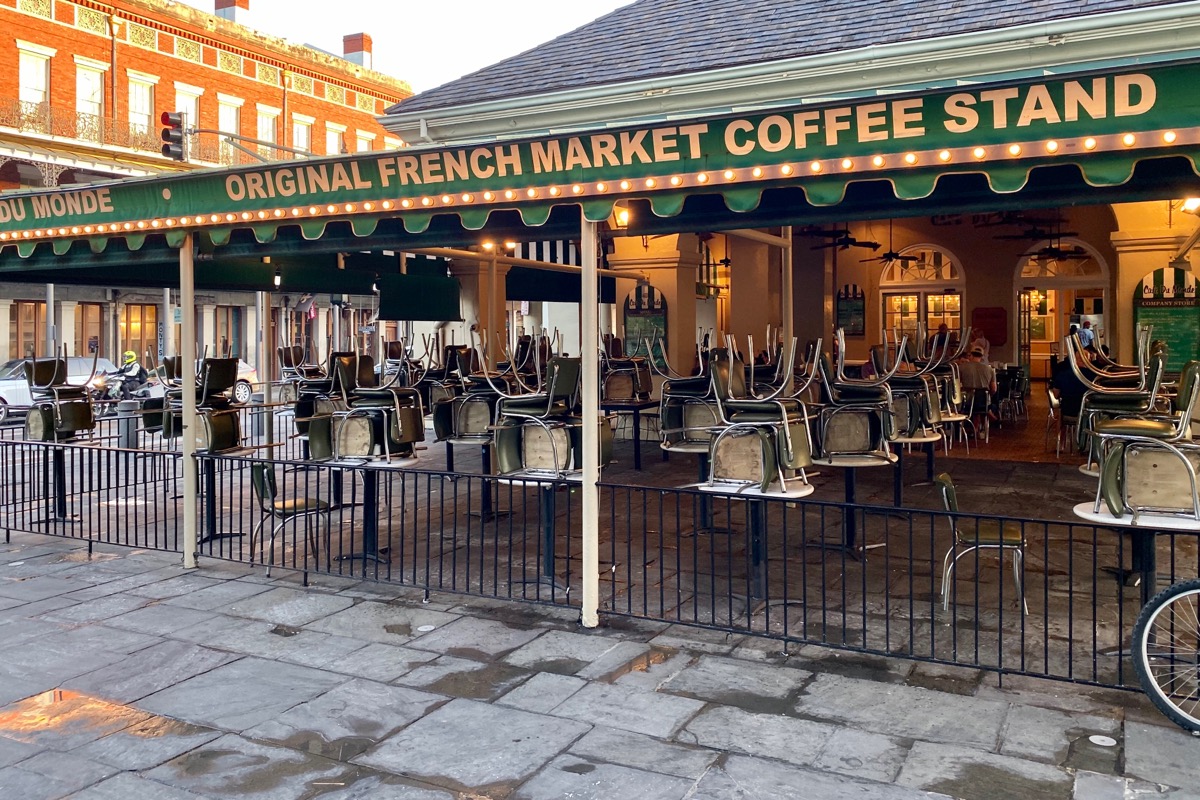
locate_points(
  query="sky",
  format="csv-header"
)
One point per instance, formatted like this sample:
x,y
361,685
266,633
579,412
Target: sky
x,y
429,42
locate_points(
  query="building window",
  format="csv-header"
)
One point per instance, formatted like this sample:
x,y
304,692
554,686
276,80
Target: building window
x,y
27,333
229,120
302,132
922,288
334,139
268,126
364,142
228,321
88,339
34,92
89,102
392,143
139,329
189,105
141,107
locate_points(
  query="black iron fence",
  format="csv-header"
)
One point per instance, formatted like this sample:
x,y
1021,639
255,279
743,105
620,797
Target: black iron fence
x,y
1042,598
118,496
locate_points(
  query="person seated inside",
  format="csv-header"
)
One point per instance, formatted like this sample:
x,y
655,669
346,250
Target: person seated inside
x,y
1087,336
979,379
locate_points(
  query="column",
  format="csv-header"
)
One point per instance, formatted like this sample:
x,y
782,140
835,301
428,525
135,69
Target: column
x,y
66,328
5,338
320,345
482,305
206,333
1148,237
255,339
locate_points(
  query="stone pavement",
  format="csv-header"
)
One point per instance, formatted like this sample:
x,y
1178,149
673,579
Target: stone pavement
x,y
124,677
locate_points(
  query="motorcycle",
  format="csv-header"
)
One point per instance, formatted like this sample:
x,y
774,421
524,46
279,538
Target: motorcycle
x,y
109,388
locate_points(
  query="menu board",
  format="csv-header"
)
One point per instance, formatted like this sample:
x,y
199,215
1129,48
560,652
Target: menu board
x,y
852,310
1166,299
645,319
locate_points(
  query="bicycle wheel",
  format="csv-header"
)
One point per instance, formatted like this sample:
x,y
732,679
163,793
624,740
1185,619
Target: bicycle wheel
x,y
1166,651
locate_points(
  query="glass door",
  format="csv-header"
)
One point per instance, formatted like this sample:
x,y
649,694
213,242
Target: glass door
x,y
1025,309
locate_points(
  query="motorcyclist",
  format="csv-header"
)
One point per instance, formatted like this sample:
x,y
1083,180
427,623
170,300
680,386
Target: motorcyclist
x,y
132,375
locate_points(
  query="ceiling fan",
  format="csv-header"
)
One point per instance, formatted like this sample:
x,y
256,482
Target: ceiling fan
x,y
841,240
1051,251
1036,233
891,256
1017,218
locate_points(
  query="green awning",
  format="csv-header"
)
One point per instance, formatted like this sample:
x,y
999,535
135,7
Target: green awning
x,y
1102,125
545,286
418,298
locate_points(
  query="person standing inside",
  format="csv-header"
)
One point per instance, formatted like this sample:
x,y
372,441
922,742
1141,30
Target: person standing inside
x,y
1087,336
980,342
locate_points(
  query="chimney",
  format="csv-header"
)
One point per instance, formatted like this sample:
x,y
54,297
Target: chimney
x,y
233,10
357,48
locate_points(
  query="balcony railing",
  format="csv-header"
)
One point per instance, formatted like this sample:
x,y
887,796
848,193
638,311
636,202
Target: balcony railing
x,y
49,120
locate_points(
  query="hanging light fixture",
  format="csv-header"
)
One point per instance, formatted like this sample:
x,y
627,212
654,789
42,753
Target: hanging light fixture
x,y
278,278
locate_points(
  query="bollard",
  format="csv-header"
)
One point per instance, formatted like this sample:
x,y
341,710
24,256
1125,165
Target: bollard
x,y
258,414
128,414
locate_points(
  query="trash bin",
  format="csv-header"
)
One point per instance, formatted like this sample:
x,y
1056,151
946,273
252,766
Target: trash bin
x,y
129,412
258,414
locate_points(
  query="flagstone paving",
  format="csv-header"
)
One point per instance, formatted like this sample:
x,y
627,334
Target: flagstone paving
x,y
124,677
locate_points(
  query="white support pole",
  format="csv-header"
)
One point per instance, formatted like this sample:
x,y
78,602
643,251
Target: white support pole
x,y
589,345
168,326
51,348
786,290
187,375
493,334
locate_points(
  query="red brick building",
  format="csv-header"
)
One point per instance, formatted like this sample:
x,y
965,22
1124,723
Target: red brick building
x,y
82,87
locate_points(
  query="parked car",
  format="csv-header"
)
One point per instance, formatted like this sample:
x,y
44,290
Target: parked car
x,y
247,376
14,390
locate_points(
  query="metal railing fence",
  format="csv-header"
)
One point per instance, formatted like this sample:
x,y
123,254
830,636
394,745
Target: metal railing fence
x,y
861,578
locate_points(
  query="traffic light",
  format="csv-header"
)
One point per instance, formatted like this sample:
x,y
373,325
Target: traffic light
x,y
173,135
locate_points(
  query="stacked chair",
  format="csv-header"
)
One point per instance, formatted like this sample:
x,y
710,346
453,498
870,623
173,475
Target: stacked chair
x,y
372,420
539,434
218,422
763,443
1117,391
60,410
1148,461
857,419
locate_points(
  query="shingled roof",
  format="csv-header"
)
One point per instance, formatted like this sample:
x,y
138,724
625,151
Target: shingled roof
x,y
652,38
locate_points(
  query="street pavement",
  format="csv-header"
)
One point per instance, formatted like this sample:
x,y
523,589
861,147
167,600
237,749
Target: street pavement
x,y
125,677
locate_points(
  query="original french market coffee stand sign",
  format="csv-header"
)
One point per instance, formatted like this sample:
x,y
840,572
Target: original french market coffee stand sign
x,y
1095,121
1166,299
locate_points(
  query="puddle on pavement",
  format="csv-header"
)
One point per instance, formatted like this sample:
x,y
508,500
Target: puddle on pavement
x,y
984,782
641,663
285,630
83,557
399,629
479,684
60,712
342,749
579,769
559,666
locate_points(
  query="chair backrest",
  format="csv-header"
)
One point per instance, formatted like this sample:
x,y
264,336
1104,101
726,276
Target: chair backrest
x,y
393,351
290,357
172,369
217,375
1189,393
562,378
262,477
946,489
44,373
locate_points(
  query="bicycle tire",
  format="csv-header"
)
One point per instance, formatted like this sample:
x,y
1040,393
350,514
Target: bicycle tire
x,y
1169,678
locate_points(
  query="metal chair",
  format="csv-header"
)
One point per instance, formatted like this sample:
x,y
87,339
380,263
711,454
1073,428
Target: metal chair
x,y
274,507
998,535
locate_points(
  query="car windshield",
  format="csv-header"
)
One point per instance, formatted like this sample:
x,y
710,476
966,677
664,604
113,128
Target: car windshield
x,y
12,369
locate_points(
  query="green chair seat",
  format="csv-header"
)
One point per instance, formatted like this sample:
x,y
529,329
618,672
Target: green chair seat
x,y
990,532
1151,428
764,416
294,506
